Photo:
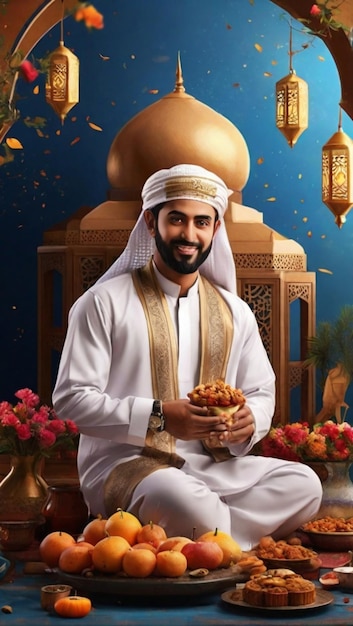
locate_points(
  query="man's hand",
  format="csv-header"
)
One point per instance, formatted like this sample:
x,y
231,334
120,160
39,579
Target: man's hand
x,y
188,421
241,429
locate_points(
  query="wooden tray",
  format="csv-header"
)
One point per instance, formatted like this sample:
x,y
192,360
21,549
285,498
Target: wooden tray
x,y
120,585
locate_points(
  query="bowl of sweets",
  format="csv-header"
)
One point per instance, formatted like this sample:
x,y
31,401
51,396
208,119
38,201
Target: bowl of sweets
x,y
288,554
334,534
220,399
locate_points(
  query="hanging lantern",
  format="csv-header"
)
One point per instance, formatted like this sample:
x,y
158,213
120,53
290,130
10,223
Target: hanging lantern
x,y
291,103
337,181
62,83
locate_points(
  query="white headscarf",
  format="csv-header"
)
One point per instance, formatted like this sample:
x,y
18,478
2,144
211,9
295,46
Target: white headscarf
x,y
189,182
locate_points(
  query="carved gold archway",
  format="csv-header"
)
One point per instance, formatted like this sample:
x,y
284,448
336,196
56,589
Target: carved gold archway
x,y
40,19
336,41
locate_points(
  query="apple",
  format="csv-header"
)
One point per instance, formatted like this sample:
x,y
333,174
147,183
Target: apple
x,y
232,551
203,554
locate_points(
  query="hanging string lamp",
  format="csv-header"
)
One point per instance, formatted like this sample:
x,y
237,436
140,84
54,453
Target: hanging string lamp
x,y
337,180
291,103
62,81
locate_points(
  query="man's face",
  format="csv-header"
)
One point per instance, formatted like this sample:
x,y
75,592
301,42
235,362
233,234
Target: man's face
x,y
184,234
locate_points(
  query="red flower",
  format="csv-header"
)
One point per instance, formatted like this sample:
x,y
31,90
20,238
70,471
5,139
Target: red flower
x,y
28,71
315,10
28,429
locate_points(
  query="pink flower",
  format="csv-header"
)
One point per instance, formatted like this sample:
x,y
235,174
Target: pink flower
x,y
56,426
26,395
10,420
29,429
71,427
47,438
315,10
23,432
28,71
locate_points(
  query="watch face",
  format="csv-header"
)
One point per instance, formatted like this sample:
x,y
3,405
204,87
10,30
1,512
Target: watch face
x,y
155,422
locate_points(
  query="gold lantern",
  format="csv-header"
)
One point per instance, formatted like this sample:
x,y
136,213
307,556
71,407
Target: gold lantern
x,y
62,83
337,183
291,103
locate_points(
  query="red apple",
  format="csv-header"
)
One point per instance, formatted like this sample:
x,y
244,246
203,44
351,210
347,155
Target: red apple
x,y
203,554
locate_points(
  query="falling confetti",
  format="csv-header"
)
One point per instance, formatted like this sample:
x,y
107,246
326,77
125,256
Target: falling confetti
x,y
229,27
321,58
274,62
260,160
309,233
267,74
305,219
153,91
94,126
104,58
236,84
14,144
323,270
36,90
76,140
272,199
258,47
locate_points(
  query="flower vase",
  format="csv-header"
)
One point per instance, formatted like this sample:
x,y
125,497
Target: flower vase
x,y
337,498
23,491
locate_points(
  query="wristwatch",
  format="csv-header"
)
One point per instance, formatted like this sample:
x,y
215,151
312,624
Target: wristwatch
x,y
157,420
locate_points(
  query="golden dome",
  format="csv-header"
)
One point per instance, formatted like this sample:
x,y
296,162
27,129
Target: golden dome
x,y
176,129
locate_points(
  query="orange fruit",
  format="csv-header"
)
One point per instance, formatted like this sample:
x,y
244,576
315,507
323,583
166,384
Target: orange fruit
x,y
123,524
139,563
94,531
76,558
144,546
107,554
151,533
171,563
53,545
232,551
174,543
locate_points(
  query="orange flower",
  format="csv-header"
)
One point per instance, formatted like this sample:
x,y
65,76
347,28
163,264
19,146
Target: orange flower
x,y
91,17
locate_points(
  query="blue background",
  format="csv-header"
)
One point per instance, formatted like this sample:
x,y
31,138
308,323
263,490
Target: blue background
x,y
64,167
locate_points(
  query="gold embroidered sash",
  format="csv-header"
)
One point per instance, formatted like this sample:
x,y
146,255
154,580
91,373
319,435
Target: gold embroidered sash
x,y
216,329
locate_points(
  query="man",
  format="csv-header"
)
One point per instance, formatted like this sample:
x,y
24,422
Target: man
x,y
164,318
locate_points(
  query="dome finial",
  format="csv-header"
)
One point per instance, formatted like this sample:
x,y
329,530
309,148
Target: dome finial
x,y
179,83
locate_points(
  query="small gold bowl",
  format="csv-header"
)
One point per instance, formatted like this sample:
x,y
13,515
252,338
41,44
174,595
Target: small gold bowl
x,y
17,535
51,593
345,576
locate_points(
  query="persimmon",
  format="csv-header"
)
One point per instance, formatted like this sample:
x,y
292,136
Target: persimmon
x,y
123,524
76,558
94,530
53,545
171,563
151,533
108,554
73,606
144,546
174,543
139,563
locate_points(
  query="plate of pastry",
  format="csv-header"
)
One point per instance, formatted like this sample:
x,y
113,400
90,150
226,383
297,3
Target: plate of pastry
x,y
278,590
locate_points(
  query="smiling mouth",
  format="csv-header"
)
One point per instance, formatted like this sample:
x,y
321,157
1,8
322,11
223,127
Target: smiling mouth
x,y
186,250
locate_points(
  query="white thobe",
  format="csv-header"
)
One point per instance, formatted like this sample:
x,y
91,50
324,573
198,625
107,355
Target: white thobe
x,y
104,384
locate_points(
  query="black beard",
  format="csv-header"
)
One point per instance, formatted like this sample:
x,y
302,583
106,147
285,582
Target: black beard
x,y
181,267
